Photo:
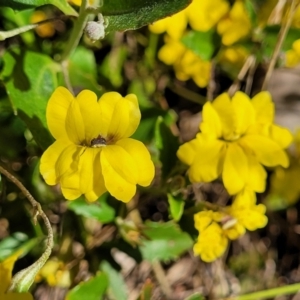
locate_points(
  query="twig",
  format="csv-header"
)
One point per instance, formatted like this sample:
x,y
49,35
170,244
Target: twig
x,y
23,279
10,33
282,34
161,278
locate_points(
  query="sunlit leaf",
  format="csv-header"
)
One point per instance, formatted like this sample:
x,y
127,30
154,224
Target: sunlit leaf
x,y
132,14
30,79
176,206
116,288
164,241
98,210
93,289
63,5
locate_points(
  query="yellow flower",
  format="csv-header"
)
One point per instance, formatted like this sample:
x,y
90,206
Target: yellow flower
x,y
93,153
187,65
237,137
293,55
174,25
45,30
205,14
55,273
6,268
236,26
217,228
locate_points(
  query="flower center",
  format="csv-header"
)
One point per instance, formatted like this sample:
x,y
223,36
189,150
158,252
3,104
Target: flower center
x,y
98,142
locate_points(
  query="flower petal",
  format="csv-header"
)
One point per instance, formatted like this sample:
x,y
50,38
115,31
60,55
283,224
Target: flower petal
x,y
223,106
119,171
120,116
264,107
187,152
70,186
208,162
244,112
235,169
257,175
49,159
282,136
75,124
267,151
91,113
141,156
211,124
56,113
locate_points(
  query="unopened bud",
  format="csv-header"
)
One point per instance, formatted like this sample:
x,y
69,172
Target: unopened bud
x,y
95,30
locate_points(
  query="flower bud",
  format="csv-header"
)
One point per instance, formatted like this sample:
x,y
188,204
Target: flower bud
x,y
95,30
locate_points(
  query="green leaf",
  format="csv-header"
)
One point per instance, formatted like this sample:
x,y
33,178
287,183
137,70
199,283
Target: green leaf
x,y
176,206
63,5
30,79
93,289
147,291
132,14
83,71
117,288
167,144
98,210
201,43
164,241
196,296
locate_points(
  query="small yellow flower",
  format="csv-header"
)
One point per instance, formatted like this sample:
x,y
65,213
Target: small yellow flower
x,y
293,55
217,228
55,273
93,153
174,25
6,268
205,14
44,30
187,65
236,26
237,137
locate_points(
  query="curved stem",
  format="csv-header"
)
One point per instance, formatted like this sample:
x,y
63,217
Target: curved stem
x,y
24,279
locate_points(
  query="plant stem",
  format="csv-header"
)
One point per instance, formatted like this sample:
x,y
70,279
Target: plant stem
x,y
24,279
77,31
282,34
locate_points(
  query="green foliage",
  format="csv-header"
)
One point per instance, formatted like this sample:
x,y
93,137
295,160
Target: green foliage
x,y
98,210
176,204
116,286
201,43
122,15
164,241
92,289
30,79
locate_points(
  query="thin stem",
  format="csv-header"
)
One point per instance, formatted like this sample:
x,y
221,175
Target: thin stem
x,y
23,279
77,31
10,33
162,279
282,34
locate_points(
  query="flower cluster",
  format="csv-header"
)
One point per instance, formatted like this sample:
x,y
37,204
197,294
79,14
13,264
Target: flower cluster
x,y
237,139
93,153
293,55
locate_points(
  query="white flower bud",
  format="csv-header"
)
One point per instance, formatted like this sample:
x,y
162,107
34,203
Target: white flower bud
x,y
95,30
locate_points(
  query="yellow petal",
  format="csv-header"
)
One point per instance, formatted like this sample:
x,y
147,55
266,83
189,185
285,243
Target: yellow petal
x,y
75,124
208,161
223,106
282,136
264,107
257,175
119,171
235,169
244,112
49,159
120,116
68,161
187,152
211,124
266,151
56,113
98,185
141,156
70,186
91,113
